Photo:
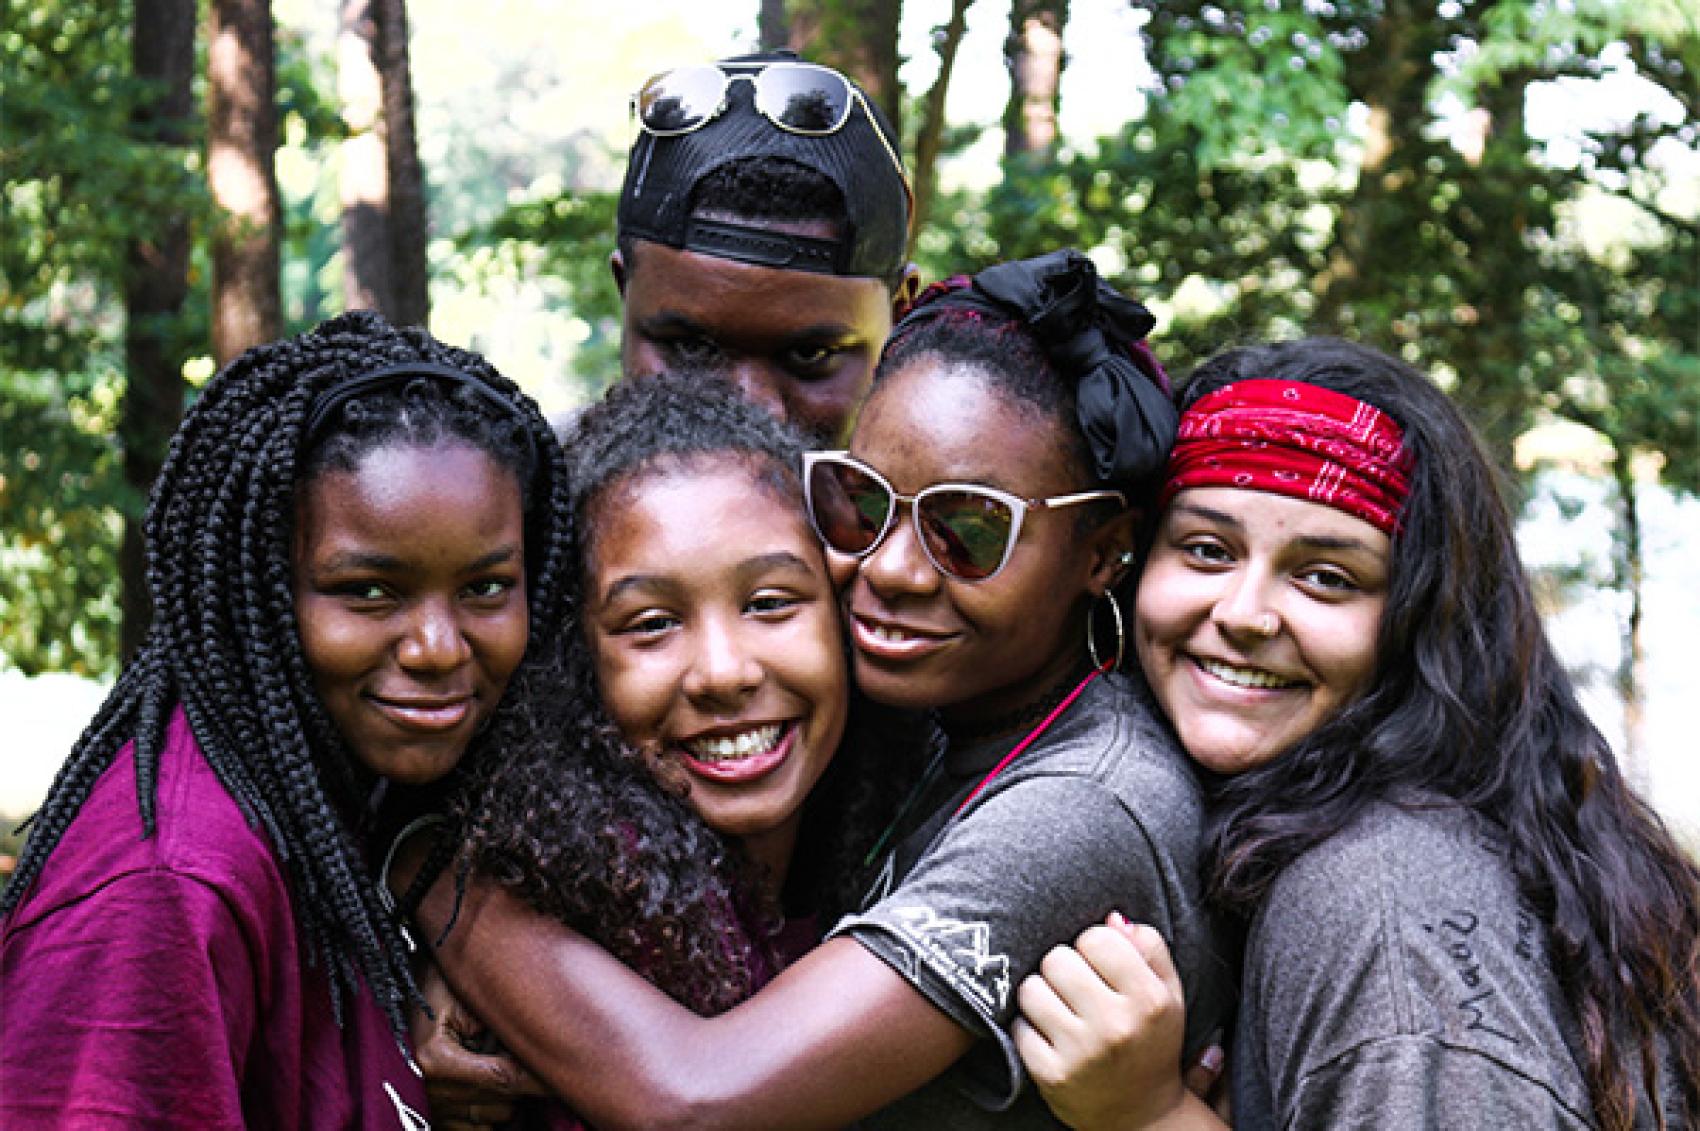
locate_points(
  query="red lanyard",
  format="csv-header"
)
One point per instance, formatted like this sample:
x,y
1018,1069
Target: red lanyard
x,y
932,768
1032,736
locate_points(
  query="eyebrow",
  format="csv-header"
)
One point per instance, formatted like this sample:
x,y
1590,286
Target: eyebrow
x,y
669,320
363,560
673,322
665,583
1308,541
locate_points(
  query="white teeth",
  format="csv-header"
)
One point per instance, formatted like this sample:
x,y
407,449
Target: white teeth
x,y
887,635
734,748
1245,677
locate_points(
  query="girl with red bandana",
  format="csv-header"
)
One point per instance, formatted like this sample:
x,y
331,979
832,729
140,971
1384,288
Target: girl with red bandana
x,y
1457,913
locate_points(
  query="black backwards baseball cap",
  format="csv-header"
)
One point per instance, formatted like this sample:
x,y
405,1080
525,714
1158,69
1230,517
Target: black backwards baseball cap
x,y
691,122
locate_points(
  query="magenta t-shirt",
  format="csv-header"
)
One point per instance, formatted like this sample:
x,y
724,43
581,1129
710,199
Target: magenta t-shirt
x,y
162,982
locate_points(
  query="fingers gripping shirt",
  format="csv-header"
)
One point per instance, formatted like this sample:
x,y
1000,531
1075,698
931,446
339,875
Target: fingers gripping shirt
x,y
1101,813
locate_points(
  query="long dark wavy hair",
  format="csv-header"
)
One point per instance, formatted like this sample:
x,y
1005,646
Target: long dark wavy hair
x,y
225,644
576,822
1469,702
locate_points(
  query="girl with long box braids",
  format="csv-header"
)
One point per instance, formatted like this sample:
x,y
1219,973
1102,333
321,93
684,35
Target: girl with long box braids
x,y
351,534
983,509
1458,913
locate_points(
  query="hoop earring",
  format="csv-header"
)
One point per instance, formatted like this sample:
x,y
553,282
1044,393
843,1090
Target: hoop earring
x,y
1121,635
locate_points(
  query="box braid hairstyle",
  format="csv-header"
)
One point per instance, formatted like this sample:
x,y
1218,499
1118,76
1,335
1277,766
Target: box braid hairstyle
x,y
225,644
576,822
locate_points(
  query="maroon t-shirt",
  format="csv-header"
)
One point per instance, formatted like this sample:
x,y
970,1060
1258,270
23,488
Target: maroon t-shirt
x,y
161,982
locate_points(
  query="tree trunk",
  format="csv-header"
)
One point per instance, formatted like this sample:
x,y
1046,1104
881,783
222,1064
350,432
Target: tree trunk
x,y
410,272
1632,660
241,144
383,186
156,279
1390,78
773,29
858,37
929,137
1034,55
366,282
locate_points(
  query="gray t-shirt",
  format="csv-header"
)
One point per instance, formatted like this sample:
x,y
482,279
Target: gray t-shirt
x,y
1393,978
1101,813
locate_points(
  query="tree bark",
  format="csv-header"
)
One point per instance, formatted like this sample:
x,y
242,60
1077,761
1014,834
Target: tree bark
x,y
1034,54
241,145
410,272
1390,77
773,28
383,185
929,137
156,280
1631,682
364,180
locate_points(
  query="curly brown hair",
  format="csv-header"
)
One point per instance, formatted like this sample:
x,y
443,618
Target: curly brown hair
x,y
576,822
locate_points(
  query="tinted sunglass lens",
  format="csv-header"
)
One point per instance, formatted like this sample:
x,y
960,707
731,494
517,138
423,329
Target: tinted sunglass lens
x,y
680,100
966,533
849,507
809,100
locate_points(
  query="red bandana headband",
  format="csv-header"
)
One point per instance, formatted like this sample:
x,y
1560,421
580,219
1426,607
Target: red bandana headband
x,y
1295,439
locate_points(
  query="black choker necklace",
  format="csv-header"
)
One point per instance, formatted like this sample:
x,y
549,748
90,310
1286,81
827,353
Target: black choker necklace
x,y
1019,719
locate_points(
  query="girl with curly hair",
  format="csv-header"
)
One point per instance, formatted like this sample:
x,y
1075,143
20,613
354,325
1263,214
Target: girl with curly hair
x,y
678,797
351,534
1459,914
981,512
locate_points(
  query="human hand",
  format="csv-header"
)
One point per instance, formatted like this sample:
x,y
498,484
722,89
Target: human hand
x,y
471,1084
1101,1032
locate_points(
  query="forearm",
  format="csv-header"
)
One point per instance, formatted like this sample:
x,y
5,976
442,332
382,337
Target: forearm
x,y
836,1037
1191,1114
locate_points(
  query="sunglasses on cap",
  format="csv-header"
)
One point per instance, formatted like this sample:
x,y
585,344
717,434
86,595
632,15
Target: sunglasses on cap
x,y
799,98
967,531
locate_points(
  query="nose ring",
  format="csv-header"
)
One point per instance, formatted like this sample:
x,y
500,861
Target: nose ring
x,y
1267,625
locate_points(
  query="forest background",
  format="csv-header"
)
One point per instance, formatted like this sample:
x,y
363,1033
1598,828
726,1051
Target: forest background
x,y
1504,192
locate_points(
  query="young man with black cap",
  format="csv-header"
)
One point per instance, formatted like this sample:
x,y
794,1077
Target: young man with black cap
x,y
763,226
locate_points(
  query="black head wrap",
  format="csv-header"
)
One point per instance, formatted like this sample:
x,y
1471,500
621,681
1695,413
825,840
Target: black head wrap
x,y
1094,335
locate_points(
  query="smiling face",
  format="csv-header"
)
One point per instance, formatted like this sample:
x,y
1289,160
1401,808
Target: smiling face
x,y
800,344
972,649
1257,620
409,578
711,620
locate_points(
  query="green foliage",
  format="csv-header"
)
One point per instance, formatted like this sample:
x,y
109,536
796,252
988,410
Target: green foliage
x,y
61,497
562,239
1257,79
1296,172
78,187
310,129
82,186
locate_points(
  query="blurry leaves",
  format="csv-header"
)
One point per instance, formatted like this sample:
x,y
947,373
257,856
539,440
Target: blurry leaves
x,y
565,238
1359,167
61,497
77,188
1297,171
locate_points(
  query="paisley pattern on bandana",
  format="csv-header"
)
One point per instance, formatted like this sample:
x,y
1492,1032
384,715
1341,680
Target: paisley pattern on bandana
x,y
1295,439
